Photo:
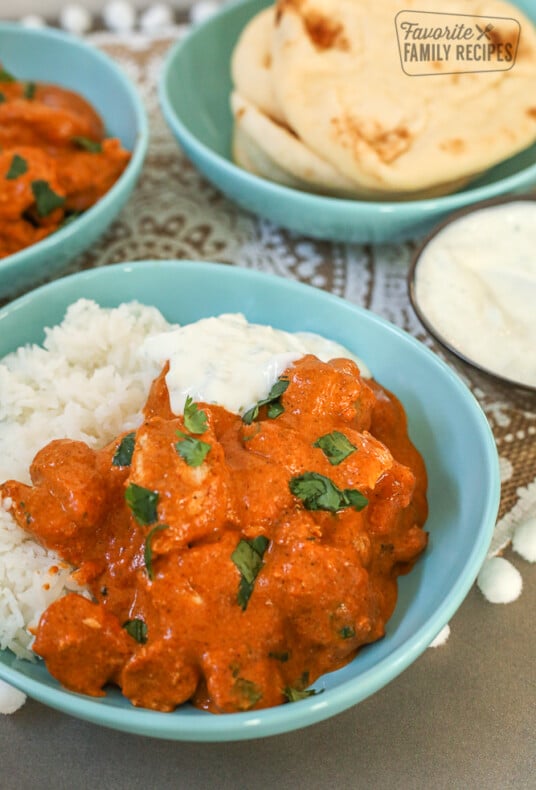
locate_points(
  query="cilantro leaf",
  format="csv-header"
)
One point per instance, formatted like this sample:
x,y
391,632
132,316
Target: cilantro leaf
x,y
148,551
137,629
5,76
17,168
29,90
335,446
248,690
355,498
275,407
283,656
295,695
318,492
193,450
2,97
46,200
142,502
247,557
195,419
347,632
280,386
251,414
93,146
123,454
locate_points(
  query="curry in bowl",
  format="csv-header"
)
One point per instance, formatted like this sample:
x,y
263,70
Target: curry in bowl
x,y
55,160
226,555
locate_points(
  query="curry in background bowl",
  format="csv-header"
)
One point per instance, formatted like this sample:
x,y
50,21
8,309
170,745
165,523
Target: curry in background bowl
x,y
54,159
444,423
73,137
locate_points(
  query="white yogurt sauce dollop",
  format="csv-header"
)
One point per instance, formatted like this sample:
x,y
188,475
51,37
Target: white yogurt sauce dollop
x,y
475,284
228,361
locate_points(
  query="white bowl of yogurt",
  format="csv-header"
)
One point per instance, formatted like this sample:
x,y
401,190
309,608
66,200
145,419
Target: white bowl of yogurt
x,y
472,284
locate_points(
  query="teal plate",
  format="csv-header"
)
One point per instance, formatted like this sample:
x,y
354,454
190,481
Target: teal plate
x,y
195,85
445,423
47,55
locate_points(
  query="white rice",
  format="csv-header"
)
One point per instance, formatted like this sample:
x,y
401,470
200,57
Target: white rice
x,y
88,382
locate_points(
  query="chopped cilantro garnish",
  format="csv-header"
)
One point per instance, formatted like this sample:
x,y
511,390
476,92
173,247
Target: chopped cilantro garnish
x,y
5,76
295,695
275,407
335,446
347,632
247,690
137,629
283,656
17,168
195,419
46,200
93,146
318,492
142,502
2,97
123,454
29,90
193,450
248,557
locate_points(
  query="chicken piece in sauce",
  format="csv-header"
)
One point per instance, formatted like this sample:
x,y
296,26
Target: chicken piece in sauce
x,y
231,561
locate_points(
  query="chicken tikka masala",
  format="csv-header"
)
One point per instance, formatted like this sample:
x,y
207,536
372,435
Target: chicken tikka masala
x,y
55,161
231,560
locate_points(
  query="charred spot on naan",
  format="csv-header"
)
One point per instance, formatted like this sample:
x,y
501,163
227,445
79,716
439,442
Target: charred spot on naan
x,y
453,146
388,144
324,32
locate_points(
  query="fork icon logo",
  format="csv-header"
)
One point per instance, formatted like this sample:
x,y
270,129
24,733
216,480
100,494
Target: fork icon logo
x,y
485,32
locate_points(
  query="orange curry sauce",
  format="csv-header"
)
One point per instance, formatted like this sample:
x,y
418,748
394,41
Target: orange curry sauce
x,y
224,569
54,160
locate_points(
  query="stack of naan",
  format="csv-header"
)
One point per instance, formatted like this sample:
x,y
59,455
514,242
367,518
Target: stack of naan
x,y
321,102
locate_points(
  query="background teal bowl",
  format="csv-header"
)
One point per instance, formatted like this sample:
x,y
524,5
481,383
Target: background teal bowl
x,y
445,423
194,94
46,55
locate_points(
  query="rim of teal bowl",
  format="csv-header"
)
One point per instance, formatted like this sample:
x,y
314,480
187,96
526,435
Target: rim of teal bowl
x,y
182,724
518,181
55,240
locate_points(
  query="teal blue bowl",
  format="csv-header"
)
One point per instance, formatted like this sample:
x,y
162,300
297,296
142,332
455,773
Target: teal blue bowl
x,y
445,423
46,55
194,92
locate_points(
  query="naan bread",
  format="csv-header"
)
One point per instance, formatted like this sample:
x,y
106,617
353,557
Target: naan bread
x,y
339,84
272,151
251,64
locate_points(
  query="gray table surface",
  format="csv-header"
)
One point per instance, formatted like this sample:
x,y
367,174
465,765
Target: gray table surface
x,y
462,716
